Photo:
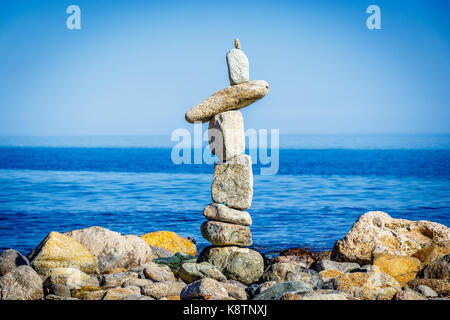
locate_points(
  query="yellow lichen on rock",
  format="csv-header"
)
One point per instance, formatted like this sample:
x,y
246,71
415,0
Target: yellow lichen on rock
x,y
60,251
403,269
170,241
330,274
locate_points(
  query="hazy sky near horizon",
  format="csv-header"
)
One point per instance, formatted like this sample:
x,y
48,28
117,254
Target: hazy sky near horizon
x,y
136,67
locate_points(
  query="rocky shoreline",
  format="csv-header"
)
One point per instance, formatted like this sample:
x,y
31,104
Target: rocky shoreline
x,y
380,258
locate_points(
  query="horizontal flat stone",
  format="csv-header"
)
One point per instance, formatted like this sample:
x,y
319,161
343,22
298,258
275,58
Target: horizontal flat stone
x,y
219,212
223,234
233,182
230,98
226,134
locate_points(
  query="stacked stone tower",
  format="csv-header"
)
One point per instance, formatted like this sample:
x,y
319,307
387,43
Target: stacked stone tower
x,y
227,227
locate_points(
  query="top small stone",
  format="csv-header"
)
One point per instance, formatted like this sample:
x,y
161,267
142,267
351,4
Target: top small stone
x,y
237,43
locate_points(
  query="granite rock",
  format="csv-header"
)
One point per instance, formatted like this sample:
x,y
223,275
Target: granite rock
x,y
11,259
238,66
22,283
278,290
282,271
437,269
233,182
191,272
222,233
226,135
204,289
219,212
230,98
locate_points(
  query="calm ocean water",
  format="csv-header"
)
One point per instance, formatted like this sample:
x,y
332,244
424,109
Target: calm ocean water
x,y
323,185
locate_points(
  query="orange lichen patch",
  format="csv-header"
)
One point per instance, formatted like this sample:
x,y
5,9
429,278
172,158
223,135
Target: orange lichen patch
x,y
170,241
330,274
173,298
403,269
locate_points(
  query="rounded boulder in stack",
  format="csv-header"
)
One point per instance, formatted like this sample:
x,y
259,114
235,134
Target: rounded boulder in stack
x,y
223,233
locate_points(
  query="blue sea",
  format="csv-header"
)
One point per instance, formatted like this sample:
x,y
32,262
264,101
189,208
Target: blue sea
x,y
130,185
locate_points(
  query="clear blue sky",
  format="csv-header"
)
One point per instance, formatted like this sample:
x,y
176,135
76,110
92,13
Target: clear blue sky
x,y
136,67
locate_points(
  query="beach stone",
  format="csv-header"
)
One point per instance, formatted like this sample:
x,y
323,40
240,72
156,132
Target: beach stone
x,y
191,272
432,252
58,289
437,269
170,241
88,293
222,233
440,286
300,261
226,135
231,98
377,232
282,271
60,251
408,294
403,269
235,289
137,297
70,277
236,263
316,295
426,291
136,282
11,259
278,290
205,289
238,66
22,283
158,272
117,293
175,261
111,249
219,212
367,286
233,182
304,257
159,290
343,267
56,297
116,279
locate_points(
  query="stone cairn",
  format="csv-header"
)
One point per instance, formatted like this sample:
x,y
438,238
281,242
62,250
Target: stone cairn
x,y
228,224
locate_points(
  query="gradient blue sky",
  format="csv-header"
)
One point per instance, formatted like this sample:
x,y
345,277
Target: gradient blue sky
x,y
136,67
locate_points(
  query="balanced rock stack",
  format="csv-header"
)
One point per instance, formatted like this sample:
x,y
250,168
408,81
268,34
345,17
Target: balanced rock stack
x,y
227,227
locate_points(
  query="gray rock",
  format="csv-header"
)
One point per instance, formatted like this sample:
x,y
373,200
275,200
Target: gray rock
x,y
158,272
334,265
226,135
116,279
58,289
219,212
137,282
236,263
278,290
222,233
283,271
235,289
408,294
426,291
191,272
70,277
136,297
56,297
230,98
316,295
118,293
160,290
11,259
233,182
112,250
22,283
206,289
437,269
238,67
